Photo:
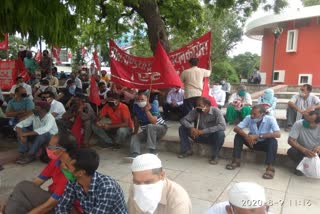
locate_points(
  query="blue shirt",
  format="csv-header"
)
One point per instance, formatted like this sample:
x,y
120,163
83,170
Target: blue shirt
x,y
142,116
268,125
23,104
104,196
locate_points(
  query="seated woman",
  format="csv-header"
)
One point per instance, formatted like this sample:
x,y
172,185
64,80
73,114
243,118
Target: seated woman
x,y
239,105
269,101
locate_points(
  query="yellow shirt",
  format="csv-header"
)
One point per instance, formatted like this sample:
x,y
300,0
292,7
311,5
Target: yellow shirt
x,y
192,79
174,200
105,78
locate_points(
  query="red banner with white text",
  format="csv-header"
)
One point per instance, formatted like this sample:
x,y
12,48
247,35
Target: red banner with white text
x,y
7,74
137,72
4,44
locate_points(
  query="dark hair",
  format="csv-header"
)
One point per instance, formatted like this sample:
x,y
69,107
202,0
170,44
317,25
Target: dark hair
x,y
261,108
50,93
68,142
45,52
44,82
18,89
70,81
317,114
101,84
113,95
204,100
308,86
194,61
86,159
19,77
142,93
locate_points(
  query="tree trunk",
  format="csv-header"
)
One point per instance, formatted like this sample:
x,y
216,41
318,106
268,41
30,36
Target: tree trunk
x,y
149,11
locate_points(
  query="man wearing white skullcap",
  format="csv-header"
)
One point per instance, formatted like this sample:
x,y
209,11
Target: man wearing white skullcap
x,y
244,198
152,192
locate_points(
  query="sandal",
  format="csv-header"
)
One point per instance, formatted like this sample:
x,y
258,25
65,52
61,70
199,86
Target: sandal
x,y
269,174
232,166
186,154
214,161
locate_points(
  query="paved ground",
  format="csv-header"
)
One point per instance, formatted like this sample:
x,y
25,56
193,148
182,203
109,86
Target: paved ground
x,y
206,184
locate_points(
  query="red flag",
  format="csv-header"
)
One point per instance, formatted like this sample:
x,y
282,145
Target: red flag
x,y
162,65
205,92
4,44
83,51
55,52
21,70
77,130
38,56
94,92
96,60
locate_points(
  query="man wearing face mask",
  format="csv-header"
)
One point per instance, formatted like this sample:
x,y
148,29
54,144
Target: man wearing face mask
x,y
263,131
20,107
44,86
152,192
20,82
244,198
67,93
302,103
77,81
304,138
53,81
28,196
56,108
45,63
97,193
218,94
31,139
174,102
239,105
121,124
148,118
210,126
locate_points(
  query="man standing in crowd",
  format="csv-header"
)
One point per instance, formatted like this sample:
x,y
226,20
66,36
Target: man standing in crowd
x,y
244,198
263,131
239,105
20,82
210,129
31,139
121,124
304,102
192,79
20,107
218,94
304,138
56,108
152,192
174,102
148,118
45,63
29,197
97,193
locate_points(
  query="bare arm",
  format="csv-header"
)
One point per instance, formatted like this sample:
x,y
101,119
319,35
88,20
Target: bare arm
x,y
294,106
275,134
136,125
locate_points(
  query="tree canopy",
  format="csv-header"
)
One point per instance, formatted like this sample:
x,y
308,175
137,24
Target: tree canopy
x,y
307,3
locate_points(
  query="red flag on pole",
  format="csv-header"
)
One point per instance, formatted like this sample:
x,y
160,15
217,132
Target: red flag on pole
x,y
76,130
38,56
21,70
96,60
55,52
163,66
94,92
205,92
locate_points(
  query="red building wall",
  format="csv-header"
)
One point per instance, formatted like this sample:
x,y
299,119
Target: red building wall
x,y
306,60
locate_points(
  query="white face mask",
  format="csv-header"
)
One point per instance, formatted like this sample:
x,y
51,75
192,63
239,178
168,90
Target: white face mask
x,y
148,196
142,104
302,94
217,87
43,88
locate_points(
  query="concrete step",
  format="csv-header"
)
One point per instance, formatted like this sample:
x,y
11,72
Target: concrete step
x,y
289,94
281,103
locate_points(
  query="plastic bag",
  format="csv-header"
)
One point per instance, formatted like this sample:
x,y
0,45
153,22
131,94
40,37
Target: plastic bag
x,y
310,167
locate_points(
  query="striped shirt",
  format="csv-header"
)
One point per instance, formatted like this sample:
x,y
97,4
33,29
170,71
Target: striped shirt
x,y
142,116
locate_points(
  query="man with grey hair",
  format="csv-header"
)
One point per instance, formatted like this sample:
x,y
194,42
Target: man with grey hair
x,y
152,192
244,198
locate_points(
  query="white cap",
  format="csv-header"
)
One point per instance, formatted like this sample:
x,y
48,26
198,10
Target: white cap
x,y
145,162
247,195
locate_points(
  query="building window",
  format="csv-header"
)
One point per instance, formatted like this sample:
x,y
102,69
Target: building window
x,y
292,40
278,75
305,79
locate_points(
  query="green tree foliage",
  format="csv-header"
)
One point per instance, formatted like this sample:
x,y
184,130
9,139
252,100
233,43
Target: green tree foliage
x,y
12,52
308,3
245,64
225,70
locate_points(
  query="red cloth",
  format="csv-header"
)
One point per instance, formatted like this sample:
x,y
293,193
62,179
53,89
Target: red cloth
x,y
96,60
205,92
76,130
55,52
117,116
94,92
21,70
59,181
8,74
38,56
4,44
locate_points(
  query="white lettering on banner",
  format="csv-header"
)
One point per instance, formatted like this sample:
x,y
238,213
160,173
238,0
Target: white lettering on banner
x,y
5,74
148,77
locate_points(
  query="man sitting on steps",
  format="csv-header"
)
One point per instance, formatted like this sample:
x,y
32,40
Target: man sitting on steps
x,y
304,138
263,131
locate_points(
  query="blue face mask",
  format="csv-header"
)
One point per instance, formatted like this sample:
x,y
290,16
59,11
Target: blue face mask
x,y
72,89
256,120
